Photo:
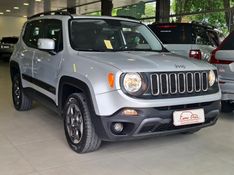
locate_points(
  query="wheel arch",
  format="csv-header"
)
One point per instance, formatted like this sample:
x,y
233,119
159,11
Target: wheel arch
x,y
75,85
14,68
69,85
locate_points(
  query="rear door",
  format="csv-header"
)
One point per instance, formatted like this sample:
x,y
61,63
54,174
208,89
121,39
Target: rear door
x,y
33,31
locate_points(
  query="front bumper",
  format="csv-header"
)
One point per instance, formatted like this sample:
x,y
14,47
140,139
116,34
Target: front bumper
x,y
153,121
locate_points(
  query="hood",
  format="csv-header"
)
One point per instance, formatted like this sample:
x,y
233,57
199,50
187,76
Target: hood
x,y
135,61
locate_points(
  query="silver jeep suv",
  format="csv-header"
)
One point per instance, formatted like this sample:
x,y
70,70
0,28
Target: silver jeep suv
x,y
111,79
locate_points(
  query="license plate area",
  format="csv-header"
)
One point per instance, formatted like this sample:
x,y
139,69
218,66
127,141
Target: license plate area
x,y
188,117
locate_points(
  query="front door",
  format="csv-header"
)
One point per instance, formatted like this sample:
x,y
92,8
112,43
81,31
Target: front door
x,y
46,65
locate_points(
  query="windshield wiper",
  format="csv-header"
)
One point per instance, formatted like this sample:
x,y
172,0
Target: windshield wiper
x,y
92,50
132,49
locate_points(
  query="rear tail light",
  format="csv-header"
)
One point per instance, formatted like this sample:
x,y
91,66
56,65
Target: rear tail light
x,y
213,60
196,54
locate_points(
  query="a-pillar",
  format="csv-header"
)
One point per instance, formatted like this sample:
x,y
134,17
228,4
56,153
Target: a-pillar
x,y
106,7
162,10
71,6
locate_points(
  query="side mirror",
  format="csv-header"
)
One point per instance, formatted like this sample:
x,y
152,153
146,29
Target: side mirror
x,y
46,44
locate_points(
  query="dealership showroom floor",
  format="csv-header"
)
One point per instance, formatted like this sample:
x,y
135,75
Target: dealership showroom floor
x,y
33,143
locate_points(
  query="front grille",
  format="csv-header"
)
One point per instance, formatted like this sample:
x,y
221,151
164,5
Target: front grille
x,y
178,83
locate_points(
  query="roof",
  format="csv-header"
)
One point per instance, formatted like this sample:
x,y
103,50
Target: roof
x,y
62,16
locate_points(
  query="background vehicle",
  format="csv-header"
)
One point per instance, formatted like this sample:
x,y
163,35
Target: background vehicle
x,y
192,40
110,78
7,45
223,59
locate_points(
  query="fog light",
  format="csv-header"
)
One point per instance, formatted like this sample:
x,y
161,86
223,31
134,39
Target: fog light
x,y
118,127
130,112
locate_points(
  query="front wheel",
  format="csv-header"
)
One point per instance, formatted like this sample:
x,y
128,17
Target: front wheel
x,y
21,101
78,127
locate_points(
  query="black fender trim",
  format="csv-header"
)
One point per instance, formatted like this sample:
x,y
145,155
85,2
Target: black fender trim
x,y
82,87
13,65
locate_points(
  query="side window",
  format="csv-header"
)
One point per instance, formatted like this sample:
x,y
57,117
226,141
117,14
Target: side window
x,y
200,36
33,31
53,30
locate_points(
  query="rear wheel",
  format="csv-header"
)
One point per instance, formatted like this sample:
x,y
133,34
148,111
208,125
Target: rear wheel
x,y
78,126
226,106
20,100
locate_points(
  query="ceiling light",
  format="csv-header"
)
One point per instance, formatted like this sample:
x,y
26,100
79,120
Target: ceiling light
x,y
25,16
8,11
38,0
16,8
26,3
1,13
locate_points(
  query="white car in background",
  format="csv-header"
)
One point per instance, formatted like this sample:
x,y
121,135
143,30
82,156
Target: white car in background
x,y
191,40
223,58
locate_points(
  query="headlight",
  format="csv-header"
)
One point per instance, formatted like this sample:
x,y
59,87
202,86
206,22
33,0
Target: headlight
x,y
212,78
132,83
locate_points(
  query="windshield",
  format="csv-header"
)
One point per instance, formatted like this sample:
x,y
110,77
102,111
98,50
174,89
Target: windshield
x,y
111,35
10,40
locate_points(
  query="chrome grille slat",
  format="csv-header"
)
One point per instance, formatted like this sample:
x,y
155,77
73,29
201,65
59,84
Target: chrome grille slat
x,y
178,83
204,84
199,80
183,82
154,89
162,88
189,83
170,82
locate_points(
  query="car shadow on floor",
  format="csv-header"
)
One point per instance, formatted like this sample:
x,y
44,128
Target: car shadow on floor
x,y
228,116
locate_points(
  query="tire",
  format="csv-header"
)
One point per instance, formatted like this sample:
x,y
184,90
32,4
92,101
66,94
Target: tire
x,y
78,127
226,107
191,132
20,100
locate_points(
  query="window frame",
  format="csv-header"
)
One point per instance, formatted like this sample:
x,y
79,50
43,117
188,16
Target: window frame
x,y
30,32
43,26
58,48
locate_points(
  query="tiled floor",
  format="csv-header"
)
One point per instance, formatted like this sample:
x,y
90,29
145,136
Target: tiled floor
x,y
33,143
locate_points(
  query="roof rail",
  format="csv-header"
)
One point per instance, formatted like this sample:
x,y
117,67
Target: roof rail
x,y
128,17
56,12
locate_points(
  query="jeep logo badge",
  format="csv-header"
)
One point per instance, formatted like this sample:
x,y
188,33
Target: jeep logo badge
x,y
180,66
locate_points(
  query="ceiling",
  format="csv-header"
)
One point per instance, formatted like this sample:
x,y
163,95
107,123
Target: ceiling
x,y
37,6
